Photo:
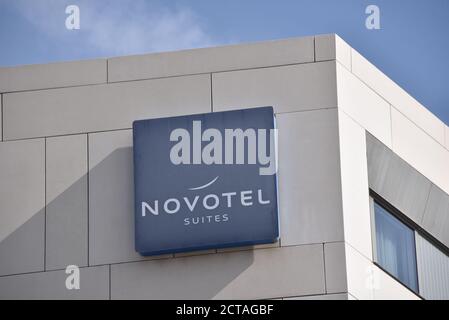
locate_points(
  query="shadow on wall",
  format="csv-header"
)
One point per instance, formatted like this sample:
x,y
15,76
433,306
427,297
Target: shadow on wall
x,y
66,234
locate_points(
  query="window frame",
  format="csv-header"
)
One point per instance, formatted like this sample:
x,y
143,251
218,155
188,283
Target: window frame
x,y
404,219
375,198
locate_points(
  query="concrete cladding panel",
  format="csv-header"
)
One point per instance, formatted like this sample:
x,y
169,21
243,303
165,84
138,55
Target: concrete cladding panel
x,y
359,273
354,182
288,88
396,181
23,250
66,221
397,97
52,75
250,274
111,208
335,262
111,218
363,105
94,284
436,215
420,150
332,47
101,107
22,201
245,56
309,177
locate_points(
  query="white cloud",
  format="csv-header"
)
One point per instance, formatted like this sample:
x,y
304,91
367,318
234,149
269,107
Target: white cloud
x,y
119,27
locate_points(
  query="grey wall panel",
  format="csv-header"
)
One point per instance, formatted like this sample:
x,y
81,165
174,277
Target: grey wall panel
x,y
111,217
242,56
396,181
23,250
111,198
52,75
101,107
250,274
299,87
436,216
310,203
66,189
433,270
22,201
335,262
94,284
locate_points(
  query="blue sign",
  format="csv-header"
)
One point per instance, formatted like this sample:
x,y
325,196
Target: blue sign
x,y
205,181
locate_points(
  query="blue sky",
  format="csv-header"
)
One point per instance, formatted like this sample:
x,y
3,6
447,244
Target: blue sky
x,y
411,47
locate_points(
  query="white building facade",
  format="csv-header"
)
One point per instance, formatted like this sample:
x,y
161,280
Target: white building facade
x,y
363,177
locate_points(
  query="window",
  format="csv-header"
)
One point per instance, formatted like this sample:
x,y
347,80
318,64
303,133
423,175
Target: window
x,y
407,252
395,247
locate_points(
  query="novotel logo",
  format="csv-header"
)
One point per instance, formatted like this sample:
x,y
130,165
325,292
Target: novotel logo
x,y
205,181
209,202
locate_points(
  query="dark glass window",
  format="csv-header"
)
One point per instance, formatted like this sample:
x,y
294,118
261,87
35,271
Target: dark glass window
x,y
395,247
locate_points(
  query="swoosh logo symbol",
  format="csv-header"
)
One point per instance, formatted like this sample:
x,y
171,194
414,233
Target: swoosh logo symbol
x,y
206,185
